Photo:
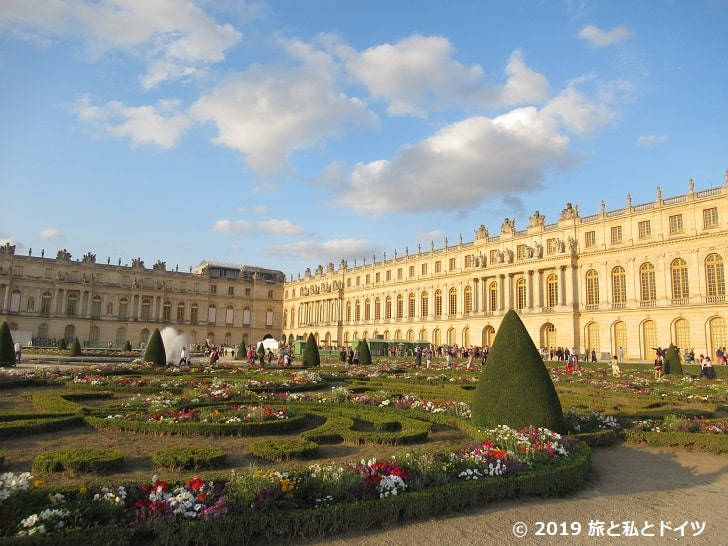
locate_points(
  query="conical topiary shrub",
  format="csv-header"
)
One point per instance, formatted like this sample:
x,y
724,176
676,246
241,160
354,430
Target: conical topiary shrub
x,y
311,356
127,346
75,347
365,355
62,346
671,361
155,353
241,354
7,346
515,388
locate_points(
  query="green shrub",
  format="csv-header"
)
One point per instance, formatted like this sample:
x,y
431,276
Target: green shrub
x,y
671,361
242,352
7,349
61,346
79,460
192,458
311,356
155,353
127,346
75,347
365,355
285,449
515,388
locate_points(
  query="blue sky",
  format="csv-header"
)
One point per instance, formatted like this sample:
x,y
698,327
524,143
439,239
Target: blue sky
x,y
289,134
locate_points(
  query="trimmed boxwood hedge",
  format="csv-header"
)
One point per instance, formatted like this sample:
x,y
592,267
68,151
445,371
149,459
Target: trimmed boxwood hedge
x,y
285,449
79,460
192,458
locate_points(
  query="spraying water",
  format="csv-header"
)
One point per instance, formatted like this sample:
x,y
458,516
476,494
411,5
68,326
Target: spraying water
x,y
173,343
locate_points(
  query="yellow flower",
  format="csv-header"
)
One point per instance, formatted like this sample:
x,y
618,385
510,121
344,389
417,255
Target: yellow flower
x,y
38,483
83,490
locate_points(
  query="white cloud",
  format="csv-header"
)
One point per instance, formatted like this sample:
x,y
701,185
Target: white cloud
x,y
419,74
174,37
601,38
460,166
50,234
578,113
329,251
269,113
651,140
266,227
160,125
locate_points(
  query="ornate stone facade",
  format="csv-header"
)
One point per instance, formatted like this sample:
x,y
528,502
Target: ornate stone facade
x,y
637,277
48,299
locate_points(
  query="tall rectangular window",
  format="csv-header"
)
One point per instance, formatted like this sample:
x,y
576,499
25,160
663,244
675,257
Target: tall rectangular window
x,y
676,223
452,264
424,269
438,266
616,233
644,229
590,238
411,271
551,246
710,217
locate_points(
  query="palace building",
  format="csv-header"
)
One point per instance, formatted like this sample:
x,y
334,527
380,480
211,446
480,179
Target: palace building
x,y
48,299
639,277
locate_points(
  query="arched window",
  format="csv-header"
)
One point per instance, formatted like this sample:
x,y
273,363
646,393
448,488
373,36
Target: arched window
x,y
357,313
96,307
468,299
466,337
146,309
679,277
592,338
648,286
521,293
649,337
400,306
377,309
451,337
438,303
72,307
424,305
167,311
388,308
15,302
619,287
212,314
93,336
714,278
285,318
247,316
552,290
69,333
43,331
718,334
493,297
123,310
411,299
348,311
180,312
121,337
45,303
592,289
367,309
682,334
229,315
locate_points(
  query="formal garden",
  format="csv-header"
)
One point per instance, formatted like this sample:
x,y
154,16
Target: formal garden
x,y
142,452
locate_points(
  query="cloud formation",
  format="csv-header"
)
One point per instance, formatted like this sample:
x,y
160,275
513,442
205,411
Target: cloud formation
x,y
174,38
265,227
50,234
326,252
596,37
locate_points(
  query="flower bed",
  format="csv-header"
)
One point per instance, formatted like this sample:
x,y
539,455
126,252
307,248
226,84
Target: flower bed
x,y
305,502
